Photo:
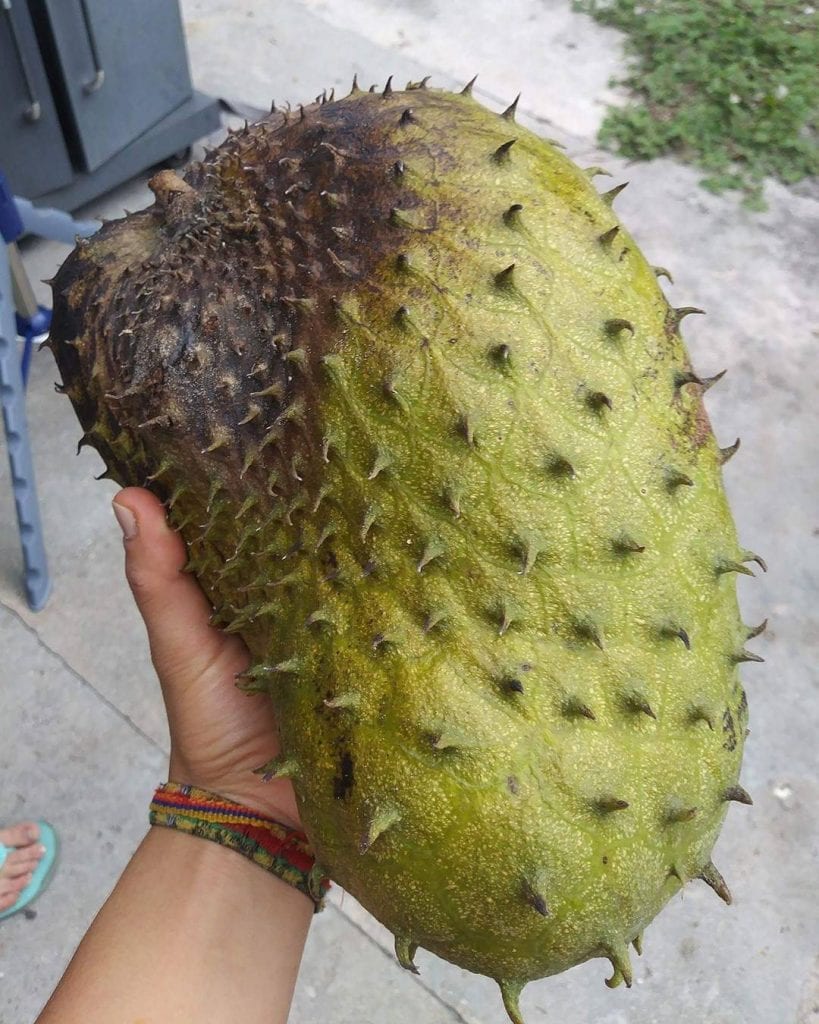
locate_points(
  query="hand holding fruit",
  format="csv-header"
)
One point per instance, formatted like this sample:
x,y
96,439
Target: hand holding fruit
x,y
218,734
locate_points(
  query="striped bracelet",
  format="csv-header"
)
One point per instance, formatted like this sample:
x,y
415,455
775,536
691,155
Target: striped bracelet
x,y
283,851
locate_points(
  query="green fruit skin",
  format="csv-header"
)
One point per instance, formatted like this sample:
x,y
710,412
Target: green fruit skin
x,y
476,539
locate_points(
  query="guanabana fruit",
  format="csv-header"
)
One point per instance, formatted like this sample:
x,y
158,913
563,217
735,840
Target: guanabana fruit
x,y
425,420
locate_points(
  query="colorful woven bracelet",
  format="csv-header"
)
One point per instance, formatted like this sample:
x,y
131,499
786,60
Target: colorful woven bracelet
x,y
281,850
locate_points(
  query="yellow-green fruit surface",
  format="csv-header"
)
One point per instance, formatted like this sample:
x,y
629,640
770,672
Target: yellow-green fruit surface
x,y
427,425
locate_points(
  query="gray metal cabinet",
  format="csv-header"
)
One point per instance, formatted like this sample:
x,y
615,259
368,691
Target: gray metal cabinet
x,y
122,66
39,162
91,93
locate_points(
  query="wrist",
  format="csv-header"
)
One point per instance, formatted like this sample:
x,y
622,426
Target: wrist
x,y
274,799
220,870
179,940
277,848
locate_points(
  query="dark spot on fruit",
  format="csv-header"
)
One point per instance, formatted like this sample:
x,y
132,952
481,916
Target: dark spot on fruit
x,y
328,560
513,785
605,859
729,729
702,426
181,346
344,781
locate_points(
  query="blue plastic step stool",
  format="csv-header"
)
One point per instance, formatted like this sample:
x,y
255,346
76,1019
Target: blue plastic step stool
x,y
18,217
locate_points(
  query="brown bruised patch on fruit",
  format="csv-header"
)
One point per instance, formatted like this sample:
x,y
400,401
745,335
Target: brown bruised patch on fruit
x,y
258,241
702,425
696,426
742,707
729,730
688,401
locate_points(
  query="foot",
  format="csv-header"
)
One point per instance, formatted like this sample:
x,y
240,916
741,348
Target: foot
x,y
17,868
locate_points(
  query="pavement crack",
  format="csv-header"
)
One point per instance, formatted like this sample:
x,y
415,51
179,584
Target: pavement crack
x,y
81,679
416,978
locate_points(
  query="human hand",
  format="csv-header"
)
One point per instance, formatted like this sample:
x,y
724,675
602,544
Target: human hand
x,y
218,733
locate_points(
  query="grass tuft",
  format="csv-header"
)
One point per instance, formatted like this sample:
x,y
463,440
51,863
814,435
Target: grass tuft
x,y
729,85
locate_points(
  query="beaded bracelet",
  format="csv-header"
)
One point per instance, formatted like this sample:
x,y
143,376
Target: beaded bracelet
x,y
283,851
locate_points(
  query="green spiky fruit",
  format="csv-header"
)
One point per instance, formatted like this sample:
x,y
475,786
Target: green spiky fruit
x,y
425,420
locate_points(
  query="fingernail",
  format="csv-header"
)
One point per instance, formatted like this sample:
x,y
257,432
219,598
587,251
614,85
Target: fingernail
x,y
41,849
33,832
126,520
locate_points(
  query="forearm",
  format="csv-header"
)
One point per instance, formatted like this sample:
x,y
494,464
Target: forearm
x,y
193,931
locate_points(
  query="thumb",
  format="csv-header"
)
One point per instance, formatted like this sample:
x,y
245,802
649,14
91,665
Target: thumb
x,y
175,611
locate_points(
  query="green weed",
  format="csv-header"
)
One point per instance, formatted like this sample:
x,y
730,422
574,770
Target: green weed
x,y
730,85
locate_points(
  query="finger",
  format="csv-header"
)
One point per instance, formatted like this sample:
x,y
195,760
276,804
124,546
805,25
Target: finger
x,y
173,607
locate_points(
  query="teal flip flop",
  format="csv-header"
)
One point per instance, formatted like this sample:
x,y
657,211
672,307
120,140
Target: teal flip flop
x,y
42,873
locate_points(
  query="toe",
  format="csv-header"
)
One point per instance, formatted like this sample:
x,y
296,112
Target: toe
x,y
21,861
11,889
22,834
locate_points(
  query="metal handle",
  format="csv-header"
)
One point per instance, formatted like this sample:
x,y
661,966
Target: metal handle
x,y
33,110
99,74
